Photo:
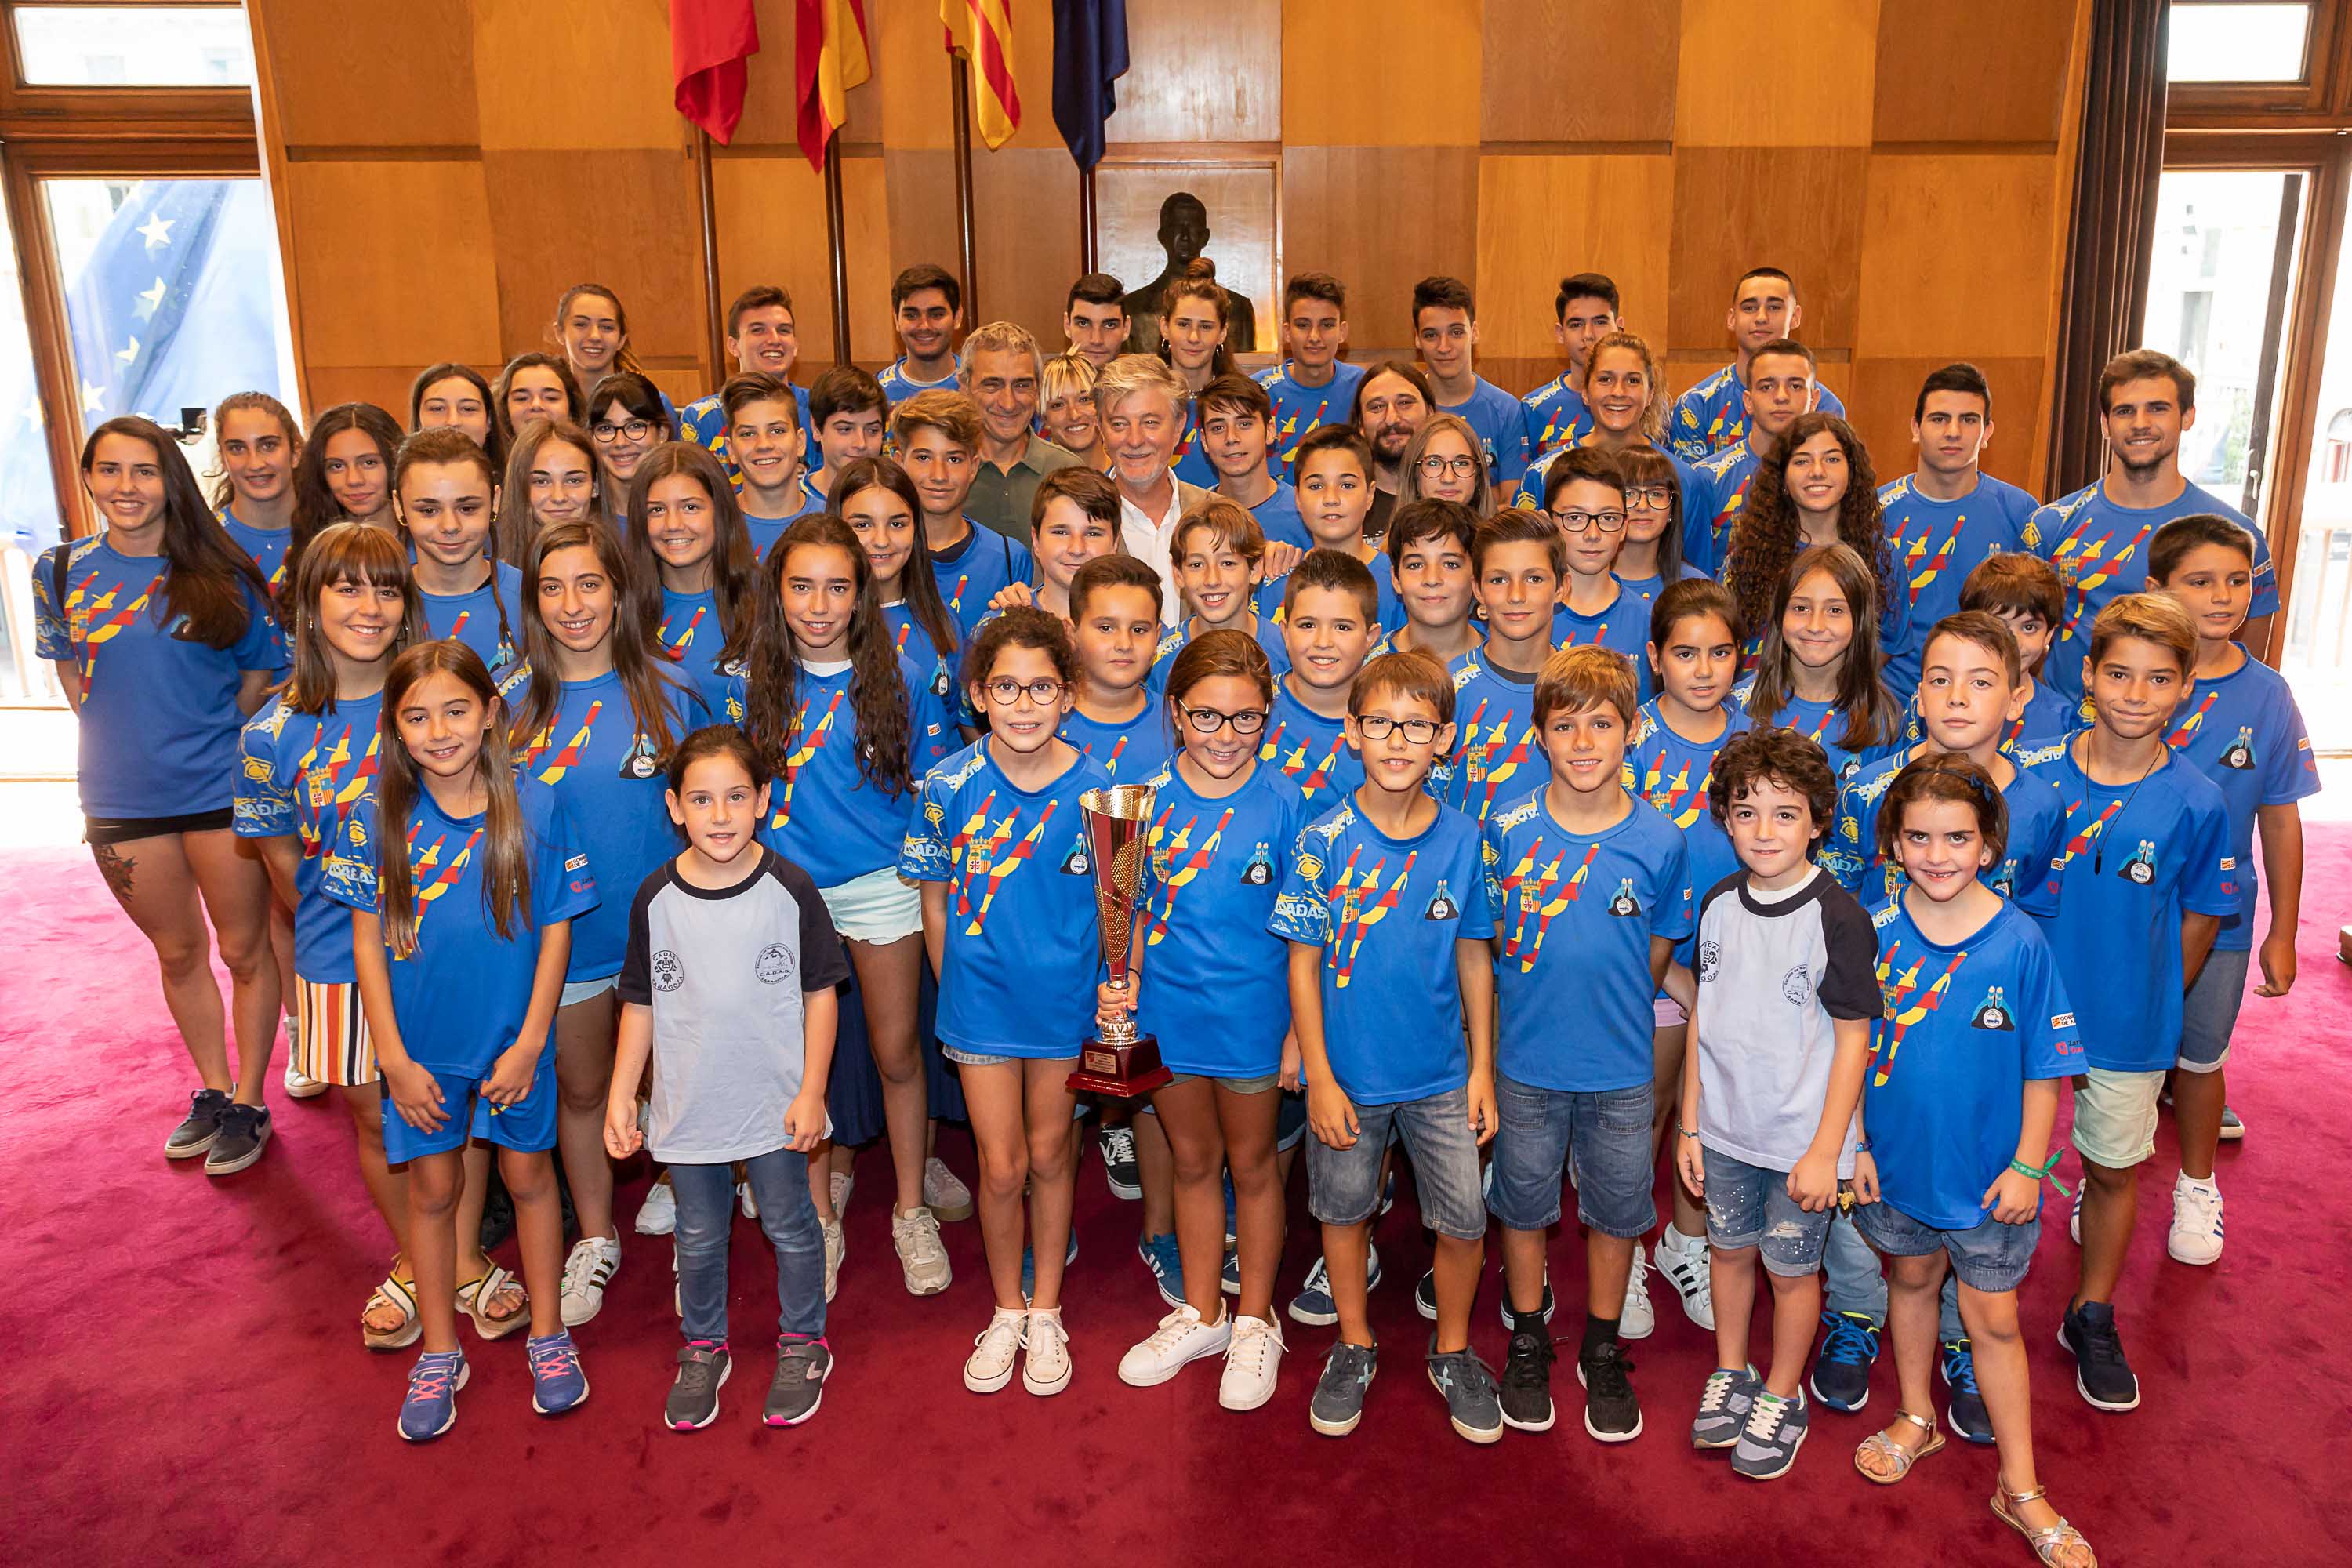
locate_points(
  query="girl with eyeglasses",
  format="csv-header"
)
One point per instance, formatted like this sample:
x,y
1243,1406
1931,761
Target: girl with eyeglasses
x,y
1445,462
627,419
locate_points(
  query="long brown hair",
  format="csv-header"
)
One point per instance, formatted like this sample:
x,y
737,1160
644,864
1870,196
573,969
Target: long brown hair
x,y
224,491
876,689
506,862
1482,493
1770,534
450,445
654,691
450,370
502,430
347,552
734,564
917,584
1198,281
203,566
315,507
624,357
516,524
1871,717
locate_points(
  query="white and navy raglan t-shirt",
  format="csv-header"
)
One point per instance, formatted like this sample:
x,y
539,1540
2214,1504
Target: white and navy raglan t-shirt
x,y
1774,971
724,970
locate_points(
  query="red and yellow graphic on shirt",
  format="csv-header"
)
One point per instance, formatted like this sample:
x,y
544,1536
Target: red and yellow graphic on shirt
x,y
332,782
569,757
1489,758
1166,848
1681,800
1905,1004
676,641
94,619
979,857
2077,842
810,740
2189,727
1533,899
2085,567
1310,776
1923,559
1358,905
429,875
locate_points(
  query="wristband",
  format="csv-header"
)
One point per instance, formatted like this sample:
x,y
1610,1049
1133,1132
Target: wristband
x,y
1863,1147
2042,1173
1685,1131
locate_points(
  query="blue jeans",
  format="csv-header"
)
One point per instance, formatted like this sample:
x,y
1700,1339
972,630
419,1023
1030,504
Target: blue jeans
x,y
706,1215
1858,1286
1608,1136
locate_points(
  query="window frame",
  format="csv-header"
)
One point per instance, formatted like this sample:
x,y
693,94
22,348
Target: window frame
x,y
2316,100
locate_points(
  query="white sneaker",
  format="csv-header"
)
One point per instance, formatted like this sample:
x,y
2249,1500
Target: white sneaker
x,y
745,1201
989,1366
1253,1357
1685,1269
2195,1236
593,1261
945,1196
658,1216
921,1256
836,1243
1045,1369
1638,1320
838,1184
300,1084
1181,1337
2075,1224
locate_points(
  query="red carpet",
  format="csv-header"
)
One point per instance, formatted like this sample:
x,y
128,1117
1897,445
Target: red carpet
x,y
186,1382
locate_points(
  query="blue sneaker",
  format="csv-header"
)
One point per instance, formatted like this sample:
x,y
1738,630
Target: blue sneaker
x,y
1029,1264
1167,1265
1313,1305
557,1382
1840,1377
1231,1282
1387,1196
1231,1236
1968,1416
430,1406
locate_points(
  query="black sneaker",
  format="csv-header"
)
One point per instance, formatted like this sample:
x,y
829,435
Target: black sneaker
x,y
244,1134
196,1135
1527,1380
802,1366
1840,1377
2102,1377
1504,1306
1967,1414
703,1368
1120,1168
1424,1294
1612,1414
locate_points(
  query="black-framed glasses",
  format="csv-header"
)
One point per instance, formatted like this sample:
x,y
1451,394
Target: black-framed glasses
x,y
1379,727
1005,691
1208,720
1654,498
635,430
1438,467
1573,521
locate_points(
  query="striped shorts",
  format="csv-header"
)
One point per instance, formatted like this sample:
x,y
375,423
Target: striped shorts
x,y
331,1042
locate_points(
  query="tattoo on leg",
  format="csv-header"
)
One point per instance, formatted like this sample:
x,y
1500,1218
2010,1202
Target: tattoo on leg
x,y
116,867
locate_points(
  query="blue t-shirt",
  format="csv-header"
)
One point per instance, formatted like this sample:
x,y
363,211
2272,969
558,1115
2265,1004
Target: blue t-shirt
x,y
1022,955
1310,750
1300,410
1278,520
1822,723
1717,492
1672,775
2136,858
914,643
2100,551
2037,836
976,569
603,771
266,546
1386,913
2048,719
1936,544
2245,732
1576,912
159,714
1496,754
1531,483
1129,752
1647,590
766,531
1624,625
301,774
1391,614
1556,416
823,814
691,634
1965,1027
1176,638
461,997
1190,461
1501,423
1714,414
1216,983
704,422
483,619
897,386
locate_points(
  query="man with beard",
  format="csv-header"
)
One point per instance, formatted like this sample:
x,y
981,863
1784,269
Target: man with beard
x,y
1002,364
2097,538
1391,401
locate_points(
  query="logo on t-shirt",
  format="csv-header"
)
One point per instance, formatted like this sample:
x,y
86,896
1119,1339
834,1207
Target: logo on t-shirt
x,y
1624,905
1797,986
1442,906
669,974
2241,752
1710,960
640,763
1991,1013
2141,866
774,965
1259,872
1077,863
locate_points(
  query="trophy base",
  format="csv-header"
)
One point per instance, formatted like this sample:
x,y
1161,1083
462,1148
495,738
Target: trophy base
x,y
1120,1072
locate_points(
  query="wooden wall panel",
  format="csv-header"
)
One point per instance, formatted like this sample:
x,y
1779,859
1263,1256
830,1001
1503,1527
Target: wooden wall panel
x,y
1884,390
1208,80
770,218
385,386
1541,218
1026,236
1382,218
1353,78
1797,208
1992,72
771,107
910,74
1797,74
641,238
552,74
1567,72
363,234
374,75
865,185
923,220
1928,277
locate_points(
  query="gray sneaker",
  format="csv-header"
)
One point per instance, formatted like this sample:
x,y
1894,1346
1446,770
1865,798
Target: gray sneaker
x,y
703,1368
1338,1401
196,1135
244,1134
1775,1431
1723,1409
802,1366
1474,1401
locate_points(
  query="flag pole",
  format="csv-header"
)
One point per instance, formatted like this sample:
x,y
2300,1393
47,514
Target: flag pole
x,y
832,233
959,79
1091,261
713,311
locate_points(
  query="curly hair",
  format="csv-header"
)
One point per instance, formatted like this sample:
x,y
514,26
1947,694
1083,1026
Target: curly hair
x,y
1770,534
877,687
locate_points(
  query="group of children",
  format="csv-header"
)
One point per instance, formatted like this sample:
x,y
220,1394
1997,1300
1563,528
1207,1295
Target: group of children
x,y
599,793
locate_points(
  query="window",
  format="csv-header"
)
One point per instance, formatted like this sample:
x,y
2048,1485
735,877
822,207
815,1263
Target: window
x,y
134,45
2238,43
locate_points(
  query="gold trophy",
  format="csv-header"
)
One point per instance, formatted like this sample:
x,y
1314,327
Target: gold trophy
x,y
1119,1064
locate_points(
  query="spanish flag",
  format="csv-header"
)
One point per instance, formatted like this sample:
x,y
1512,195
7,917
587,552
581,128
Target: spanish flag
x,y
709,42
981,31
829,59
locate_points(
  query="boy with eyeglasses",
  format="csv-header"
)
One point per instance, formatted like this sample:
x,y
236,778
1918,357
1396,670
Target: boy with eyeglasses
x,y
1314,387
1445,331
1584,497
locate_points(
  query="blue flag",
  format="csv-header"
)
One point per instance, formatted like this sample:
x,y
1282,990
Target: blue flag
x,y
1089,57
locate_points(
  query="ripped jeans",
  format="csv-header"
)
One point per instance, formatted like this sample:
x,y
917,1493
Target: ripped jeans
x,y
1747,1206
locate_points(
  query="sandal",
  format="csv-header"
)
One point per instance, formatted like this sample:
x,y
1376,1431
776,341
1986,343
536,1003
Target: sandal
x,y
474,1299
2046,1543
393,1292
1902,1457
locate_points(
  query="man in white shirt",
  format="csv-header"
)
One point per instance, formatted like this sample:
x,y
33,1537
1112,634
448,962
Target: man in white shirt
x,y
1140,402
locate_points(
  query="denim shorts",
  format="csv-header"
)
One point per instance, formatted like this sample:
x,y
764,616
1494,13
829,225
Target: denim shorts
x,y
1747,1206
1343,1186
2210,1012
970,1059
1290,1121
2115,1117
578,991
1989,1257
877,907
1607,1134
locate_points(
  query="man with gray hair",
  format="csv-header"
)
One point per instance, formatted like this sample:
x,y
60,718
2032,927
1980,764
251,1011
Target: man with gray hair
x,y
999,372
1140,406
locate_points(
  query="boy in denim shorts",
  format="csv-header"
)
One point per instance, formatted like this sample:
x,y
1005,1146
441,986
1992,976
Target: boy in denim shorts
x,y
1384,906
1591,892
1782,1009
